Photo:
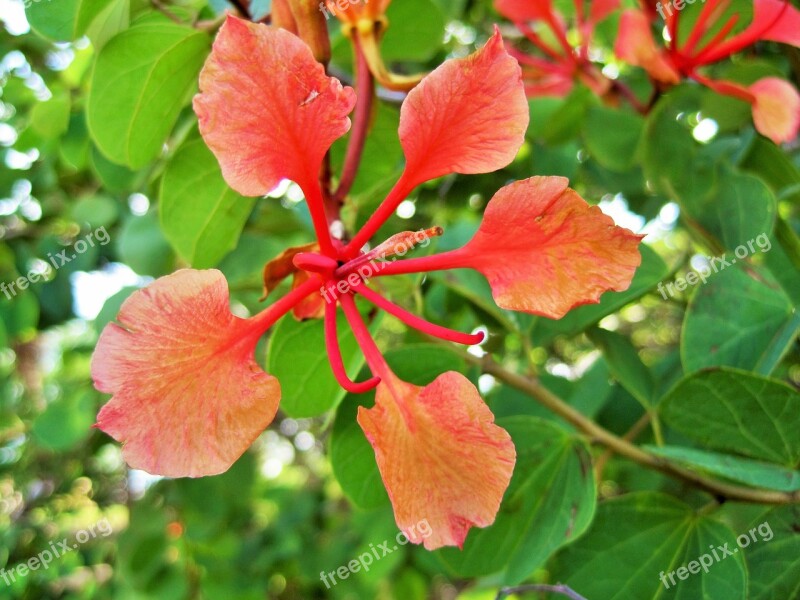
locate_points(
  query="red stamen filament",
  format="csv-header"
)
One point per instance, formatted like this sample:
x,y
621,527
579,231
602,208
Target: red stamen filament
x,y
701,27
335,356
416,322
372,354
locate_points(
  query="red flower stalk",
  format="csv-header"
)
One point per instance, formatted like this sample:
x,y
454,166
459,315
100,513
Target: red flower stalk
x,y
775,102
555,73
188,398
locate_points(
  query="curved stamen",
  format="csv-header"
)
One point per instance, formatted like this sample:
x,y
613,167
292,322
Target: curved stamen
x,y
372,353
468,339
335,356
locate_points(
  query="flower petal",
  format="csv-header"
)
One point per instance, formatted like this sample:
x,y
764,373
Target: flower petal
x,y
280,267
467,116
545,250
188,397
776,110
266,108
442,459
636,46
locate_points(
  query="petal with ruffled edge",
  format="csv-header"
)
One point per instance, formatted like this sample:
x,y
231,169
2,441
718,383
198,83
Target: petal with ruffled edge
x,y
468,116
188,397
545,250
776,110
444,462
636,46
267,110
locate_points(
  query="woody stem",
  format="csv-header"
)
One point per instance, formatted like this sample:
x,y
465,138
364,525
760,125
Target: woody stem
x,y
597,433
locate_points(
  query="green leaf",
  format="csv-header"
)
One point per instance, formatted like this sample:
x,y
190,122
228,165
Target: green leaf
x,y
612,136
737,319
549,503
742,470
141,81
95,211
738,412
297,357
67,20
735,209
201,216
625,364
142,245
775,564
637,538
410,38
114,177
353,460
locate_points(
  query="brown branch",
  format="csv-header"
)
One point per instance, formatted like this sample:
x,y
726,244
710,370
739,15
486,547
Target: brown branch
x,y
621,446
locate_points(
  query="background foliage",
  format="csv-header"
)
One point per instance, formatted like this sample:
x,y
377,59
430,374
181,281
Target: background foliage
x,y
96,131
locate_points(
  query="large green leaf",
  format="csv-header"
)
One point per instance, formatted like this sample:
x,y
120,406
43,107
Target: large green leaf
x,y
410,38
141,81
200,215
67,20
742,470
612,136
774,565
642,546
739,412
735,209
739,319
549,503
